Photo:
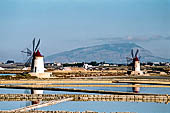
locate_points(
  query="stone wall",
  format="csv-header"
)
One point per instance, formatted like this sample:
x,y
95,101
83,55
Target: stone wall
x,y
86,97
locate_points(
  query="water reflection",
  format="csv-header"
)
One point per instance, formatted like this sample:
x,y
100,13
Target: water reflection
x,y
136,89
36,92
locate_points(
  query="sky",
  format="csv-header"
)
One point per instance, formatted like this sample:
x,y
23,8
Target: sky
x,y
63,25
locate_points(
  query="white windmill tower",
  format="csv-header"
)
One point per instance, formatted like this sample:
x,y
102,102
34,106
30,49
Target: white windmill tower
x,y
135,63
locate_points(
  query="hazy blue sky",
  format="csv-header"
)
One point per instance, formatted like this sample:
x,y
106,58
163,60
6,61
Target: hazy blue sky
x,y
68,24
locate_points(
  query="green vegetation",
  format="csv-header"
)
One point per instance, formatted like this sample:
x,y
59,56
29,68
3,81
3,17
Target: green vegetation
x,y
17,77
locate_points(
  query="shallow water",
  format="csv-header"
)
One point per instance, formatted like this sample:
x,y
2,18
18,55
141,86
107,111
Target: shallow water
x,y
124,89
111,107
10,105
6,74
140,107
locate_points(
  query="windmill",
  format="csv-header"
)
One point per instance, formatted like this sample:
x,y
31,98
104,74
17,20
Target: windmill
x,y
36,61
31,54
135,60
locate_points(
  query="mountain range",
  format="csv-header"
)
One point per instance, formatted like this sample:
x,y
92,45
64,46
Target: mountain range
x,y
112,53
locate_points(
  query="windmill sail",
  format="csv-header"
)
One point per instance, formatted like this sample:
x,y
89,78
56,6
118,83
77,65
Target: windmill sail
x,y
136,53
33,45
28,62
132,53
29,52
37,45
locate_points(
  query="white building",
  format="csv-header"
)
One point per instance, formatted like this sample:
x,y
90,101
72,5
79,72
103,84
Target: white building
x,y
2,68
87,66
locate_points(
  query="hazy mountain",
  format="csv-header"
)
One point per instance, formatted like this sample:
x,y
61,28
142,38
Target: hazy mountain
x,y
115,53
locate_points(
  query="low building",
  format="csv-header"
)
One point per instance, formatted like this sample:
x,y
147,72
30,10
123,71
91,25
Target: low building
x,y
10,62
87,66
2,68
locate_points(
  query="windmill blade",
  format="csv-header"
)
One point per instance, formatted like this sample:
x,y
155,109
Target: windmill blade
x,y
29,52
23,52
132,53
37,45
128,59
28,61
136,52
33,42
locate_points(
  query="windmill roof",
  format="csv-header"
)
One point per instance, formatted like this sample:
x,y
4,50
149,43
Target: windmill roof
x,y
136,59
38,54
